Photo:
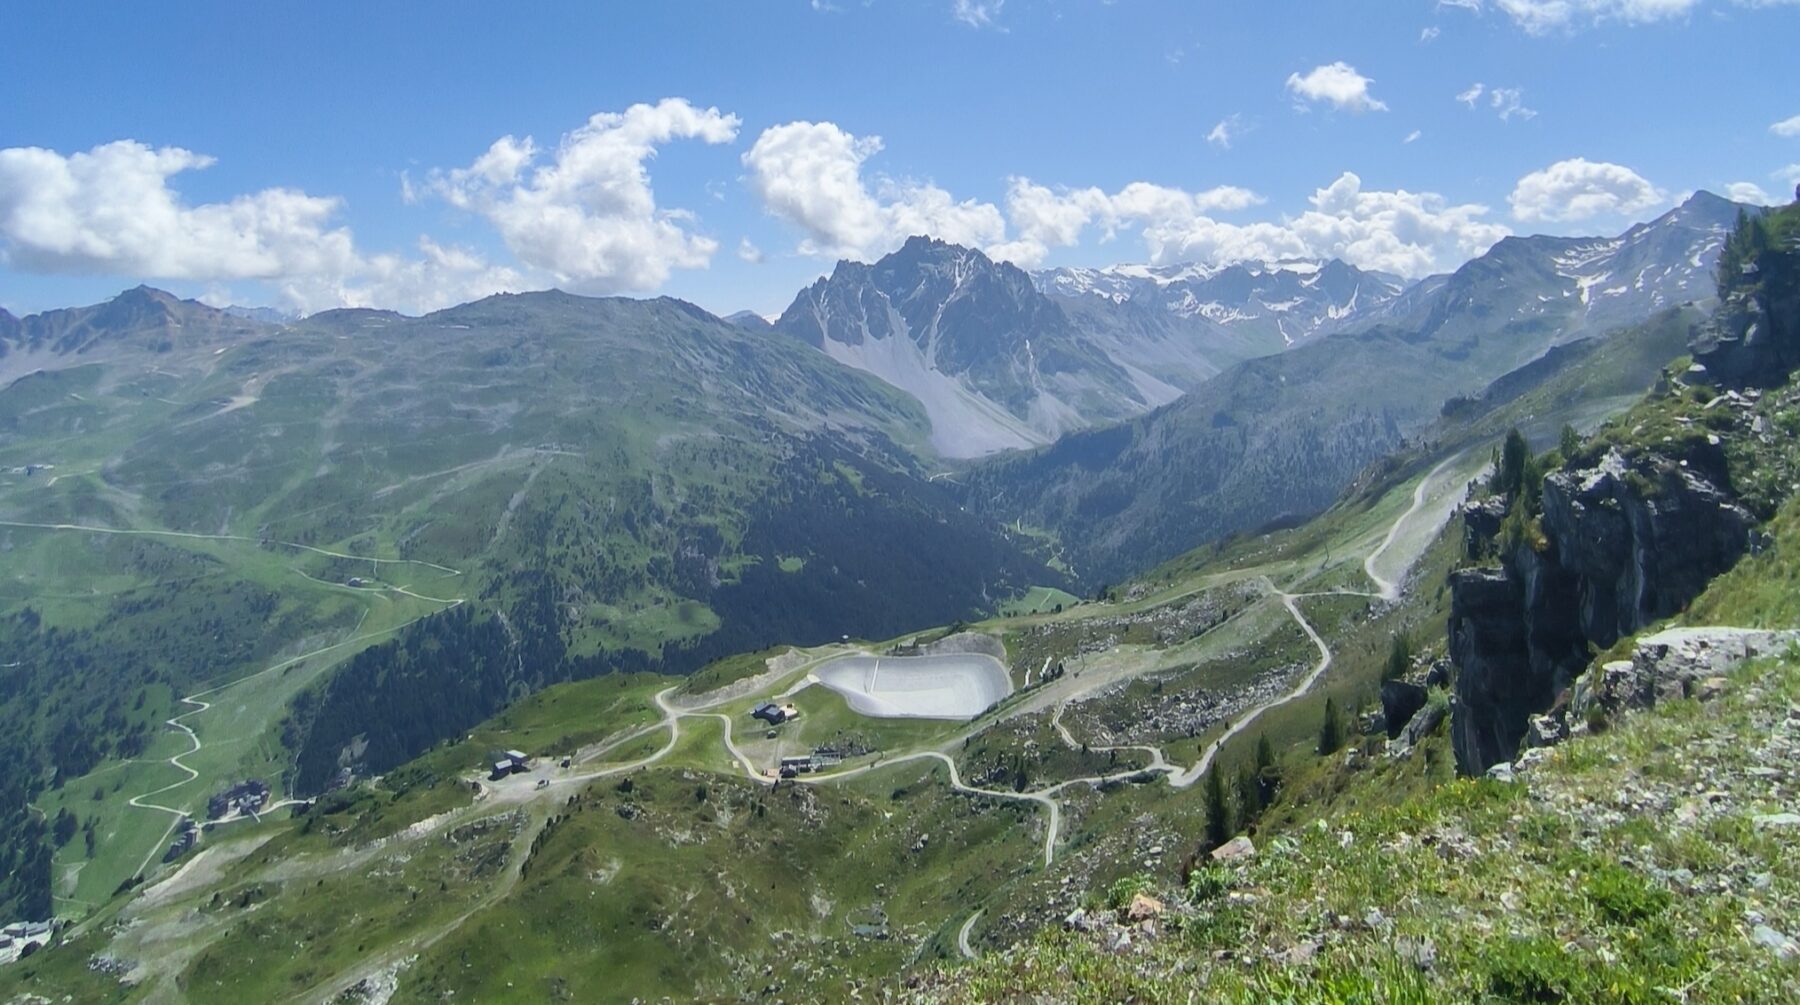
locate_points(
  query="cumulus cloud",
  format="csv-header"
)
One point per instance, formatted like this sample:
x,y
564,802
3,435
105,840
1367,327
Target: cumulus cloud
x,y
1750,192
748,252
1787,127
1045,218
1411,234
112,211
1579,189
810,174
1337,84
586,214
441,276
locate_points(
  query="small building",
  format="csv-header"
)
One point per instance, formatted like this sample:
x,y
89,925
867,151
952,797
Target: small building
x,y
186,836
802,765
244,799
510,762
770,713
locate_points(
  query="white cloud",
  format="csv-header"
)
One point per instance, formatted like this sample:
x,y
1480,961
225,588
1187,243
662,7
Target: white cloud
x,y
587,215
977,13
111,211
1044,218
749,252
443,275
1229,128
810,175
1412,234
1750,192
1789,174
1337,84
1429,34
1579,189
1787,127
1413,136
1507,102
1540,17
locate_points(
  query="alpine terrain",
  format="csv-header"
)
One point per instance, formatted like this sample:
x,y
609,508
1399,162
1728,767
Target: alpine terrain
x,y
1155,503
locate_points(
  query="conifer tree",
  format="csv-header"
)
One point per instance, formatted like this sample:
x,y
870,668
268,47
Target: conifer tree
x,y
1331,731
1218,812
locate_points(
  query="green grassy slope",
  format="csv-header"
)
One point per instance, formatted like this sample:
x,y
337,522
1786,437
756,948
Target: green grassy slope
x,y
607,485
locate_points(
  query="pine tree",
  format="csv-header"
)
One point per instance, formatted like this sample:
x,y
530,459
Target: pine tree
x,y
1399,659
1249,795
1571,443
1265,754
1509,471
1331,731
1218,812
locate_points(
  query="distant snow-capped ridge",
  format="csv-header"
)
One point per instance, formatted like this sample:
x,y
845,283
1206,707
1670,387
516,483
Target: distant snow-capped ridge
x,y
1293,298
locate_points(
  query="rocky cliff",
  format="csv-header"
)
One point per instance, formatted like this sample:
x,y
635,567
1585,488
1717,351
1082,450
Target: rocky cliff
x,y
1632,529
1620,543
1753,339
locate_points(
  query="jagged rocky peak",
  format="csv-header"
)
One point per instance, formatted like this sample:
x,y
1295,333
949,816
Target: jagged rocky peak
x,y
922,290
996,363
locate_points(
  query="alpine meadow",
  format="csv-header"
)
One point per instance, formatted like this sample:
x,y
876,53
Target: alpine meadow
x,y
989,501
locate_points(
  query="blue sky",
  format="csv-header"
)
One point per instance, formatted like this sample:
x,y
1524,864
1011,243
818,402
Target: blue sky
x,y
324,154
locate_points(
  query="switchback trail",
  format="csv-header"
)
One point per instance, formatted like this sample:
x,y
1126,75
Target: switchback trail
x,y
962,935
262,542
139,801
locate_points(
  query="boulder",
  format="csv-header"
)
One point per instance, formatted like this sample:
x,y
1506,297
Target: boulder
x,y
1237,849
1143,907
1673,664
1424,724
1400,701
1544,731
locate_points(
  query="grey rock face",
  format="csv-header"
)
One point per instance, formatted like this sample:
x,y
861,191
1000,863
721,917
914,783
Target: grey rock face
x,y
1625,543
1754,338
1400,701
1641,557
1674,664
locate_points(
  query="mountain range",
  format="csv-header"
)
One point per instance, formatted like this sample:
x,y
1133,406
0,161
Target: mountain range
x,y
1003,360
355,554
1278,436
